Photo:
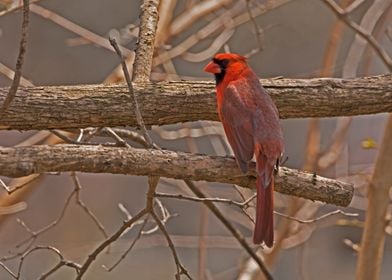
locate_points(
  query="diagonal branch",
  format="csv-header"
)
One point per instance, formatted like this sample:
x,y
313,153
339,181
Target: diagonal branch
x,y
92,256
135,104
19,62
75,28
230,227
342,15
109,106
23,161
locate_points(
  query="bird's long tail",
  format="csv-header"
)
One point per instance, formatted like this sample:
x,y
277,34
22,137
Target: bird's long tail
x,y
264,227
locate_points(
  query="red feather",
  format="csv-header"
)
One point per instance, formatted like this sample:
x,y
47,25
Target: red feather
x,y
251,123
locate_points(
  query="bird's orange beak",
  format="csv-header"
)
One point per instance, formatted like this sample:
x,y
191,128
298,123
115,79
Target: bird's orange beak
x,y
213,68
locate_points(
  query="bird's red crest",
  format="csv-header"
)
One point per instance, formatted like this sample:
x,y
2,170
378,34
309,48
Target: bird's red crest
x,y
230,56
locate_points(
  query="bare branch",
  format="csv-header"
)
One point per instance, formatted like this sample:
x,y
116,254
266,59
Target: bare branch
x,y
146,40
75,28
327,215
246,202
353,6
23,161
230,227
356,57
9,73
255,25
135,103
127,134
9,271
166,13
129,248
62,262
92,256
35,234
340,13
373,238
189,16
180,268
212,199
78,188
19,63
108,106
209,52
228,20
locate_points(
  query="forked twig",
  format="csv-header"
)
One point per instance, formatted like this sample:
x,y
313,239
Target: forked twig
x,y
92,256
109,269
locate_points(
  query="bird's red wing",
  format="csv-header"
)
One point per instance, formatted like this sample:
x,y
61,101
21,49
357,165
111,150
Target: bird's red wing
x,y
237,121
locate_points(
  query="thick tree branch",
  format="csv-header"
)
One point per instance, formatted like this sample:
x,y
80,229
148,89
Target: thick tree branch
x,y
60,107
22,161
146,40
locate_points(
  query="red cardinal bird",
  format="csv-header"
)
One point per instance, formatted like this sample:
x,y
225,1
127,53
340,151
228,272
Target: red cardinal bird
x,y
251,123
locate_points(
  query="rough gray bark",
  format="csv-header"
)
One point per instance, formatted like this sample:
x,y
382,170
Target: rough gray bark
x,y
146,40
22,161
173,102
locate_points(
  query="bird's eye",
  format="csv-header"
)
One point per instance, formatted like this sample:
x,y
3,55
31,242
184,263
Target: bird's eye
x,y
224,62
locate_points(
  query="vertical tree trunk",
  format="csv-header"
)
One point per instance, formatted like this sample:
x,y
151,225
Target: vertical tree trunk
x,y
373,238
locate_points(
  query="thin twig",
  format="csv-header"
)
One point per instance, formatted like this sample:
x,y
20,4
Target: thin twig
x,y
9,73
228,20
255,25
9,271
215,199
62,262
19,62
310,221
142,72
131,92
229,226
118,138
180,268
75,28
34,234
246,203
354,5
49,248
131,135
80,202
92,256
78,141
140,233
340,13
